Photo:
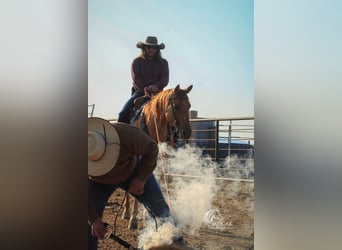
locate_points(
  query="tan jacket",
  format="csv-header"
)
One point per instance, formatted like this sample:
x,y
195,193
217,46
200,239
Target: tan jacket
x,y
133,142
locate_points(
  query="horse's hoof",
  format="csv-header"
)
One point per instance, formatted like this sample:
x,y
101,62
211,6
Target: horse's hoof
x,y
133,224
125,216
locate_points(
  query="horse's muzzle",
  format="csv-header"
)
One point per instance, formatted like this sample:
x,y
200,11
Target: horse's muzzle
x,y
186,133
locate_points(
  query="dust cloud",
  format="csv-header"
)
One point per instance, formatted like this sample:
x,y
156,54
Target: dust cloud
x,y
190,188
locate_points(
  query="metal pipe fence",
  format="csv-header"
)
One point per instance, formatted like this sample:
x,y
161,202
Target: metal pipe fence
x,y
227,141
224,137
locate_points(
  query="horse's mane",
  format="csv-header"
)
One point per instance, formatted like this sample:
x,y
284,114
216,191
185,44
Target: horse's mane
x,y
159,102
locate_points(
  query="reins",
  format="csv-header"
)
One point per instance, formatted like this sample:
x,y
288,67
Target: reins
x,y
172,108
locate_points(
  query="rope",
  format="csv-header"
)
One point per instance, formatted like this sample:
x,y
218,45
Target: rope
x,y
208,177
163,163
113,235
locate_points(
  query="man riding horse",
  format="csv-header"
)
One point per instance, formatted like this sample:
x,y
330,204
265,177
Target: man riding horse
x,y
149,71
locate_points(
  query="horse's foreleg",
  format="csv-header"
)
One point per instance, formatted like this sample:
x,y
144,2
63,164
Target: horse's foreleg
x,y
133,222
125,214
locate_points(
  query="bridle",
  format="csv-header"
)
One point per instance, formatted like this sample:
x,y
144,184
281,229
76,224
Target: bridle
x,y
171,98
172,125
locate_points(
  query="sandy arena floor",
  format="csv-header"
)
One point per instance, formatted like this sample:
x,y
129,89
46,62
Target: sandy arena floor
x,y
235,203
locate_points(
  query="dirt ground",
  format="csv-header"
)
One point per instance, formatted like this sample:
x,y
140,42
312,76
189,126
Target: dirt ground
x,y
235,203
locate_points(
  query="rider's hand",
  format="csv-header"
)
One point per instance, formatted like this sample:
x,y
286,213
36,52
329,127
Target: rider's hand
x,y
98,229
136,186
153,88
147,91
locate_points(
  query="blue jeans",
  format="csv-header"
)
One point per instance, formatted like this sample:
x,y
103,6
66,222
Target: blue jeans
x,y
152,198
126,110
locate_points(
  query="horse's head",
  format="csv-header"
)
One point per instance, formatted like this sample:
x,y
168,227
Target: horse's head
x,y
178,111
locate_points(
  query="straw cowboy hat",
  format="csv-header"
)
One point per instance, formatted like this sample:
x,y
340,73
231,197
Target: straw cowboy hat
x,y
150,41
103,146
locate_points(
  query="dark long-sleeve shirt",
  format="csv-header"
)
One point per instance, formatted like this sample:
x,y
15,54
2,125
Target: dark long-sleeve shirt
x,y
147,72
133,142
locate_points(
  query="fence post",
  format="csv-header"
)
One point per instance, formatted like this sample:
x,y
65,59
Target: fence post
x,y
229,138
217,141
229,142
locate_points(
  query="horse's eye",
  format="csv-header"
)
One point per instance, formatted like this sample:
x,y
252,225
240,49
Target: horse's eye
x,y
176,107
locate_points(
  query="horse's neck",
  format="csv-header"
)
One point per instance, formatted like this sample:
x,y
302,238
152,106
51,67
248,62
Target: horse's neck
x,y
156,124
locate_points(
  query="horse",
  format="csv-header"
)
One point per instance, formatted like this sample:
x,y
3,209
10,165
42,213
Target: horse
x,y
168,109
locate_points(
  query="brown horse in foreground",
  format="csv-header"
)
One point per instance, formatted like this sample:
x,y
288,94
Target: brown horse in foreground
x,y
169,108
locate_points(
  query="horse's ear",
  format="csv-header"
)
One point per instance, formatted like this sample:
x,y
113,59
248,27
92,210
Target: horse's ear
x,y
188,89
176,88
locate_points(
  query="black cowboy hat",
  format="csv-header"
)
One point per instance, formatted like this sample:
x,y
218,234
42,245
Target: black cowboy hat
x,y
150,41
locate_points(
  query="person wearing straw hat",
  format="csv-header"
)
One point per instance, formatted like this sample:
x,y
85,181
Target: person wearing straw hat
x,y
121,156
149,71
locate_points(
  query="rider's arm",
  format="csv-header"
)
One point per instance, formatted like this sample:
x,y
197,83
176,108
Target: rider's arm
x,y
136,73
164,76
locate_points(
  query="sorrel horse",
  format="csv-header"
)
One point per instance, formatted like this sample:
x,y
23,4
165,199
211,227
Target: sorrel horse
x,y
167,109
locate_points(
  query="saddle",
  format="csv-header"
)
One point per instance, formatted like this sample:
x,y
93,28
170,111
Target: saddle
x,y
139,104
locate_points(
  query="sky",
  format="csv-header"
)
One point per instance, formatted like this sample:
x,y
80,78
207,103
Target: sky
x,y
208,44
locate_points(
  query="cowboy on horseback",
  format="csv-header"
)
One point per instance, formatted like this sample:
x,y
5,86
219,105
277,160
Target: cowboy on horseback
x,y
150,74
